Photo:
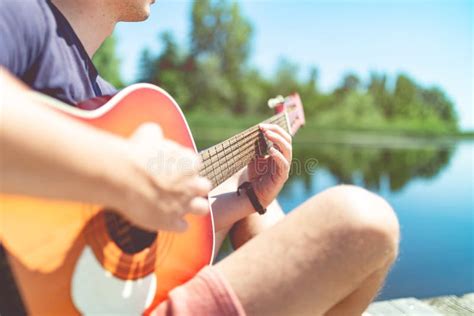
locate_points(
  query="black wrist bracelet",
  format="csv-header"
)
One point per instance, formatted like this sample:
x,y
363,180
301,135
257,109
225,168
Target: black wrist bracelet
x,y
247,186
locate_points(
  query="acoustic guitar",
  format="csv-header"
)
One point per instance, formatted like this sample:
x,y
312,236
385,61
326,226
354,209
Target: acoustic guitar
x,y
68,258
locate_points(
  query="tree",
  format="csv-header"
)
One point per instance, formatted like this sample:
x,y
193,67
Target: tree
x,y
308,91
218,28
168,70
107,62
220,31
377,87
356,110
285,78
350,83
440,104
405,96
147,67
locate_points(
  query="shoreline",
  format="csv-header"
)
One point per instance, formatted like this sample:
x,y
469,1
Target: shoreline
x,y
356,138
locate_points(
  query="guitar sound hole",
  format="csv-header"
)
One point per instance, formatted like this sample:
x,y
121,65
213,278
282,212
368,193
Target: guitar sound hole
x,y
130,239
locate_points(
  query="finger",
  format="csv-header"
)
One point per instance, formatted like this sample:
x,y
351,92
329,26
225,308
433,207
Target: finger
x,y
200,186
282,164
180,162
189,162
199,206
277,129
282,144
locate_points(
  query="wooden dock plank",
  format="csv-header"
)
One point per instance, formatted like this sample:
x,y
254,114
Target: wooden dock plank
x,y
403,306
445,305
412,306
453,305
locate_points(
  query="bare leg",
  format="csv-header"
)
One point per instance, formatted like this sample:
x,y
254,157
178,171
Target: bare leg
x,y
254,224
356,303
317,257
249,227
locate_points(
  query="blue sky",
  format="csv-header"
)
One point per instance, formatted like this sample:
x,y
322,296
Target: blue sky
x,y
430,40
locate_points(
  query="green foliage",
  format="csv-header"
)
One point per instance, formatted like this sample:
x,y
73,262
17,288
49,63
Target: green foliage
x,y
220,40
107,62
350,83
211,74
355,110
377,87
404,97
218,28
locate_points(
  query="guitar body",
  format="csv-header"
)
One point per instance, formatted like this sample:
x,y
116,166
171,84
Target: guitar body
x,y
62,254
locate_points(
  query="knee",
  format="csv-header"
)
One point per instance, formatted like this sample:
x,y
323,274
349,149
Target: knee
x,y
365,217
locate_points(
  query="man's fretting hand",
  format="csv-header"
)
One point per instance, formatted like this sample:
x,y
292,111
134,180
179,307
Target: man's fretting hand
x,y
168,185
269,174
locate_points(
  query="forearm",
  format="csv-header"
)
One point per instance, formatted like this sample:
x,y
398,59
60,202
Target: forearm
x,y
227,206
44,153
231,210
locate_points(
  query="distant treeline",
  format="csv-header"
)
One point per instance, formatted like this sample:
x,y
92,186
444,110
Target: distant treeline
x,y
211,74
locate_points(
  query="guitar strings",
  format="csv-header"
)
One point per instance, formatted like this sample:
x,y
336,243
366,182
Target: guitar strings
x,y
230,145
245,154
216,157
240,137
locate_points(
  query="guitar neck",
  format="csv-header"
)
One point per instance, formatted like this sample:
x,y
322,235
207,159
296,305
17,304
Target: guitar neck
x,y
223,160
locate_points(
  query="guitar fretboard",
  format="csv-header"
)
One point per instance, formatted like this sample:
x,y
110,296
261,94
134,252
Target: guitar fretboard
x,y
223,160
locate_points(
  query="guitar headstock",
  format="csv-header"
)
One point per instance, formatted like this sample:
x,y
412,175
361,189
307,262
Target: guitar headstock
x,y
293,107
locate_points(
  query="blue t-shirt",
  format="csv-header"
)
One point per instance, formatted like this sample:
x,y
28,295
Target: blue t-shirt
x,y
39,46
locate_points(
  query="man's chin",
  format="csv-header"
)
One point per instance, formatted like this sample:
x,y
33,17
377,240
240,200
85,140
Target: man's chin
x,y
147,12
137,17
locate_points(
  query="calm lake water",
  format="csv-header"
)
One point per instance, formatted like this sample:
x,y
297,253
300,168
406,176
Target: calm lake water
x,y
431,189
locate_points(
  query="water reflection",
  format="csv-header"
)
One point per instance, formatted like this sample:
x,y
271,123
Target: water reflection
x,y
371,166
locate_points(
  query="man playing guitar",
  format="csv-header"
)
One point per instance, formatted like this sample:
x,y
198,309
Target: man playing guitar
x,y
328,256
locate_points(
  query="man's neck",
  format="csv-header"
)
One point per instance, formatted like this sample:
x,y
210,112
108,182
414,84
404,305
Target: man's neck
x,y
91,21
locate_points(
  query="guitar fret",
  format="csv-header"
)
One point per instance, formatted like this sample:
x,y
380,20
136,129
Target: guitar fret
x,y
214,175
226,161
232,153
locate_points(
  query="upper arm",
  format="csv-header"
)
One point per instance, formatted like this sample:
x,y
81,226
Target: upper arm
x,y
9,84
23,31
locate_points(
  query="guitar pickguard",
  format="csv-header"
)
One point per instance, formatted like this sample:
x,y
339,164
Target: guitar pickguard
x,y
96,291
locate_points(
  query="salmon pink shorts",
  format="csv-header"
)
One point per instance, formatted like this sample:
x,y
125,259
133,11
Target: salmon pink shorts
x,y
208,293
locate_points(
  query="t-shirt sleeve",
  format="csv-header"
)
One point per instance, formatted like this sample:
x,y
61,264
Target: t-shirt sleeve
x,y
106,88
23,32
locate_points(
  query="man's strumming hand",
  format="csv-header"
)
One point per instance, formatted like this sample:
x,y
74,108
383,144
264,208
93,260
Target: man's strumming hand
x,y
168,185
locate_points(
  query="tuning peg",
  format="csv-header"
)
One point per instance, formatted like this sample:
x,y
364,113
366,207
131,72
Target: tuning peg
x,y
272,103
